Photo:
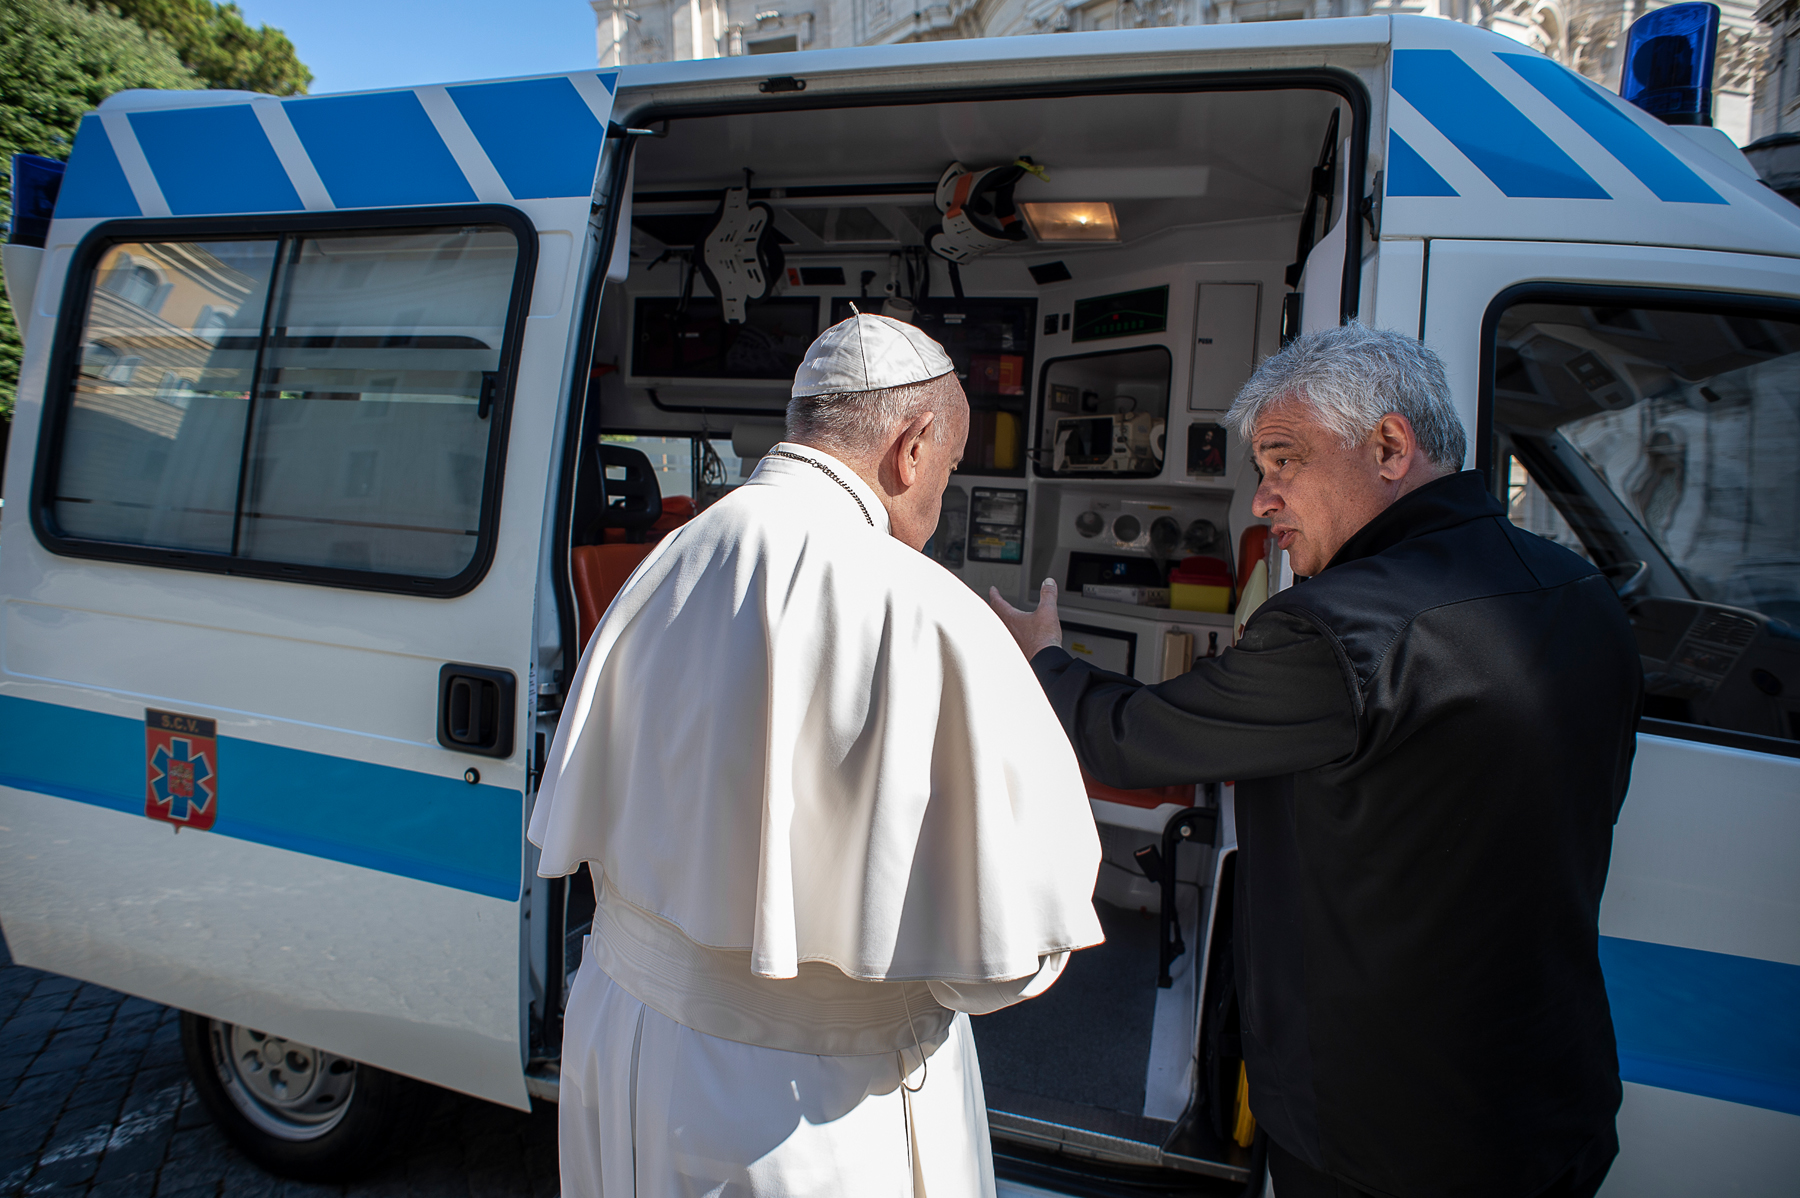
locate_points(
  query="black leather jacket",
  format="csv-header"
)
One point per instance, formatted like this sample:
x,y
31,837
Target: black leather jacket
x,y
1431,741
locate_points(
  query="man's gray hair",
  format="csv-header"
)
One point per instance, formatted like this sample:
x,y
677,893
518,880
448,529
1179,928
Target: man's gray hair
x,y
858,421
1351,376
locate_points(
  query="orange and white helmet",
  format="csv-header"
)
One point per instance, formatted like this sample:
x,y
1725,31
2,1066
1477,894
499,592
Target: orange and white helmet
x,y
979,214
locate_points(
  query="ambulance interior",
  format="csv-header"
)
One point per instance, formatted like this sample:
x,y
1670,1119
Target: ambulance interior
x,y
1099,351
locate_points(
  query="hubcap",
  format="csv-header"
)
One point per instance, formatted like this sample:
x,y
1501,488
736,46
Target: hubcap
x,y
290,1090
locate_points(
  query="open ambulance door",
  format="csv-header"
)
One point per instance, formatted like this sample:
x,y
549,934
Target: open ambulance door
x,y
278,482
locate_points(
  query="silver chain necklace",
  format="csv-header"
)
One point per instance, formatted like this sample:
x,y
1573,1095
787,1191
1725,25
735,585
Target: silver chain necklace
x,y
832,475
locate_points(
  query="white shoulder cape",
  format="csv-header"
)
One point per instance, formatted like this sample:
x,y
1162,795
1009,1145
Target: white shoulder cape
x,y
793,734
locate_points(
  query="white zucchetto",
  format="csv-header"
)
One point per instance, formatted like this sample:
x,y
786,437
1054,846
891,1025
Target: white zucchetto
x,y
868,353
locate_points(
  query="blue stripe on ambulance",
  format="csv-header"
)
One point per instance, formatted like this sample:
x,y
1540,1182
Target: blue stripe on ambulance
x,y
433,829
214,159
539,134
95,183
1409,174
377,151
1705,1023
1517,155
1624,139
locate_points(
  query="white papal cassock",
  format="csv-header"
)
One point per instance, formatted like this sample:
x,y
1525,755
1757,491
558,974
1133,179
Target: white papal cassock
x,y
829,814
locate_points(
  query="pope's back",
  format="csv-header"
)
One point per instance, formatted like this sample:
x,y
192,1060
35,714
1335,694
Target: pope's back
x,y
828,814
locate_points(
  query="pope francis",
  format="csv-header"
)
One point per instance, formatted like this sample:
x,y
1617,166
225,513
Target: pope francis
x,y
828,813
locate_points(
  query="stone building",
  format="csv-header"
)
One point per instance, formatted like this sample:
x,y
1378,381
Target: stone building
x,y
1775,120
1587,35
1778,99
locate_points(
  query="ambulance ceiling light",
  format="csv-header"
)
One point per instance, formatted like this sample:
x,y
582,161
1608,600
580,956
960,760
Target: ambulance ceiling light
x,y
1081,220
1669,63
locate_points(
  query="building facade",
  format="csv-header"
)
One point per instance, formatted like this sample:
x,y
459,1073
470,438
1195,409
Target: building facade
x,y
1587,35
1778,99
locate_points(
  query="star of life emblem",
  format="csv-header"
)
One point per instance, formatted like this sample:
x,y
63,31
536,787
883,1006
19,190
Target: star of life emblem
x,y
181,755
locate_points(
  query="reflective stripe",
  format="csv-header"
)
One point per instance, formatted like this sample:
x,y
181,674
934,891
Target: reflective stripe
x,y
539,133
1518,156
431,828
1599,117
214,159
1705,1023
373,150
95,183
377,151
1409,174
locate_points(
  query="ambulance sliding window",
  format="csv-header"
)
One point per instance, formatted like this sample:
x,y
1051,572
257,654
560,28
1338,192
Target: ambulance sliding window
x,y
1667,427
322,401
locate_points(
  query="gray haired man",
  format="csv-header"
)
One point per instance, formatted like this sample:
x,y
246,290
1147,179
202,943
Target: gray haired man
x,y
1431,735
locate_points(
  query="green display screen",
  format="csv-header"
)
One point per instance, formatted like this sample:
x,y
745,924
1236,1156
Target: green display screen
x,y
1127,314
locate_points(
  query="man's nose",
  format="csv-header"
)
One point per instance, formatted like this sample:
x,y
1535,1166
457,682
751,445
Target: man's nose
x,y
1265,502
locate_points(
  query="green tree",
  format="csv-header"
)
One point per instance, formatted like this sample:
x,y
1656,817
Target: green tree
x,y
58,60
215,44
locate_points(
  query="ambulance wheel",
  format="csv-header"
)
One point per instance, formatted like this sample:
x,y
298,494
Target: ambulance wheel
x,y
292,1108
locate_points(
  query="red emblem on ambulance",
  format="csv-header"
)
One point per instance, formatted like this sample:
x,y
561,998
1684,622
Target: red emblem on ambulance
x,y
181,756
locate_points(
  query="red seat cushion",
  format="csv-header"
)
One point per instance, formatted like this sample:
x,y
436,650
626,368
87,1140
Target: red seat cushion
x,y
677,510
598,571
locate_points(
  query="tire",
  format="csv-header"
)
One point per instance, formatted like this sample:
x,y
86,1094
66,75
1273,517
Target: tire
x,y
293,1109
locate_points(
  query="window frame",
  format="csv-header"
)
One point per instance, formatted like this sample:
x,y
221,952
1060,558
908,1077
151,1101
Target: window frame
x,y
1588,295
1039,454
1669,299
1637,541
65,366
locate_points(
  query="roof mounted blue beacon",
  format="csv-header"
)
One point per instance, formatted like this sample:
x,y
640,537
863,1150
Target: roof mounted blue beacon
x,y
35,182
1669,63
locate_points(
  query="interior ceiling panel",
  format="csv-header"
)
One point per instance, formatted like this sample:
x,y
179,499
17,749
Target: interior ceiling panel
x,y
1221,155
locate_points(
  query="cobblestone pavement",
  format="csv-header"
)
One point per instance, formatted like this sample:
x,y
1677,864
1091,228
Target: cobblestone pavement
x,y
94,1100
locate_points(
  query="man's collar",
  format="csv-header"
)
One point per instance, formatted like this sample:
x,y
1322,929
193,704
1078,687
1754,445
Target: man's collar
x,y
1441,503
809,464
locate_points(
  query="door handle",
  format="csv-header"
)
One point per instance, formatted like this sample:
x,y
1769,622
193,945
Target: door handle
x,y
476,709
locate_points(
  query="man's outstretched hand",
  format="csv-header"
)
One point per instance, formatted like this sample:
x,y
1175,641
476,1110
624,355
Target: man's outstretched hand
x,y
1035,631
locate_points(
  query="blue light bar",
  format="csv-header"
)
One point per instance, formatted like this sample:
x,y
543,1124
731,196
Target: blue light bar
x,y
35,182
1669,63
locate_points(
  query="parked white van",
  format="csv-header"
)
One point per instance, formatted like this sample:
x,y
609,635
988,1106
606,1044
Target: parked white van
x,y
343,417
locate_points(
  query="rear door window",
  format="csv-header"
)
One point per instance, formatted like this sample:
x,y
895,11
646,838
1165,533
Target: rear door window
x,y
323,405
1662,426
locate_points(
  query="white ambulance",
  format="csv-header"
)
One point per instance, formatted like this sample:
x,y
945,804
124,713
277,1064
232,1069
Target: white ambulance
x,y
342,417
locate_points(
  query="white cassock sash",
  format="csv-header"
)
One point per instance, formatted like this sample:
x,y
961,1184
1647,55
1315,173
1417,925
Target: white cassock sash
x,y
793,735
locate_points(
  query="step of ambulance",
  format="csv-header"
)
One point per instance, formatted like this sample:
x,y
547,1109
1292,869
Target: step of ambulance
x,y
1115,1137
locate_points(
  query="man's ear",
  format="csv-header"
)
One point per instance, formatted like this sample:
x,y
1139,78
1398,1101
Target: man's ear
x,y
909,448
1396,446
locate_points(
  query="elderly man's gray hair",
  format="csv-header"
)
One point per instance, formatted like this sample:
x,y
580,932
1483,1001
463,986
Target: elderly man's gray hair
x,y
858,421
1352,376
